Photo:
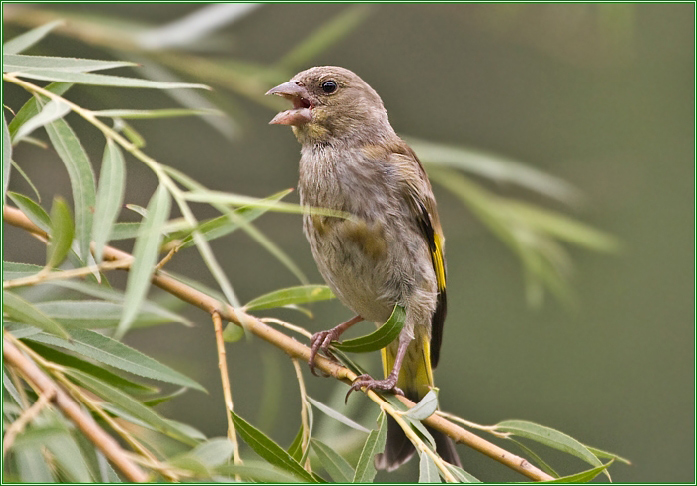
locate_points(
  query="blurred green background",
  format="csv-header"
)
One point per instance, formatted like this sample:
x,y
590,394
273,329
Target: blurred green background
x,y
601,95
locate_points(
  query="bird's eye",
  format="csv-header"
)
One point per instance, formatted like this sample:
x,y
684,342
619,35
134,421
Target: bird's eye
x,y
329,86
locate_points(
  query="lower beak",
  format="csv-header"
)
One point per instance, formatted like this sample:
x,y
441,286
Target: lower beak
x,y
301,112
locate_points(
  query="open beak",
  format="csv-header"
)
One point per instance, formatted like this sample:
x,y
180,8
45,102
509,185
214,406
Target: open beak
x,y
301,112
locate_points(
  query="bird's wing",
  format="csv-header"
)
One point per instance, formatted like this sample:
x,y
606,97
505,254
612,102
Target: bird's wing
x,y
417,190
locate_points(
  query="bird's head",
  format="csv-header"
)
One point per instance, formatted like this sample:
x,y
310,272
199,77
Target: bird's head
x,y
331,103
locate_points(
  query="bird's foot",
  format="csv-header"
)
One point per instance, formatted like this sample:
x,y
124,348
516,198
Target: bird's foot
x,y
321,341
370,383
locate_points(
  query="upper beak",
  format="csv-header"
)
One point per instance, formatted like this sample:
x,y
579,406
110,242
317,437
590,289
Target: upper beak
x,y
300,113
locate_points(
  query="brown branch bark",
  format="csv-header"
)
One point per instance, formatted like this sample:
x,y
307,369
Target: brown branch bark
x,y
84,421
298,350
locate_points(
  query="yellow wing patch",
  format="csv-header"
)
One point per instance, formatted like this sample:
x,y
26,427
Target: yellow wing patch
x,y
438,262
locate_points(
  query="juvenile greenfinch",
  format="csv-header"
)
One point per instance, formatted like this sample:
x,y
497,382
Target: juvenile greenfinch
x,y
391,252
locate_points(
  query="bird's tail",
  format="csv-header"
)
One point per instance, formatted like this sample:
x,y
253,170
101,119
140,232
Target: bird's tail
x,y
415,379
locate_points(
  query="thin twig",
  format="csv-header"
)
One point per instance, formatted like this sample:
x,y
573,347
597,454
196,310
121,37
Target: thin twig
x,y
27,416
304,412
42,277
288,325
300,351
103,441
487,428
227,389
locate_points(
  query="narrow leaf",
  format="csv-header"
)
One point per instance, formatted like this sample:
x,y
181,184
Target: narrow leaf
x,y
113,353
33,106
17,309
129,404
160,113
145,253
258,471
425,408
51,111
6,156
375,444
31,210
69,457
15,62
582,477
378,339
461,475
62,233
337,415
96,314
534,457
296,447
101,79
338,468
608,455
79,169
268,449
549,437
213,452
24,175
110,192
428,471
26,40
301,294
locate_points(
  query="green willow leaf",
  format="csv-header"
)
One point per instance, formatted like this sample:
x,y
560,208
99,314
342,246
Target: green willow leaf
x,y
81,175
338,416
582,477
607,455
425,408
96,314
101,79
19,310
26,40
145,254
375,444
129,404
549,437
18,62
428,471
258,471
534,457
62,233
32,210
378,339
6,156
269,450
110,192
98,372
24,175
51,111
160,113
461,475
300,294
336,466
33,106
69,457
113,353
296,447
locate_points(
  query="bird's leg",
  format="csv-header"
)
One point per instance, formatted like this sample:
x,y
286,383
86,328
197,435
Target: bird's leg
x,y
389,383
322,339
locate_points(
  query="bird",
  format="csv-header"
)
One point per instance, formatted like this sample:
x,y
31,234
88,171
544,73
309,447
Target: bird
x,y
390,251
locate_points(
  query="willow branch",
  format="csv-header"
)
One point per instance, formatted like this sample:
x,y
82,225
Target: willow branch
x,y
27,416
103,441
298,350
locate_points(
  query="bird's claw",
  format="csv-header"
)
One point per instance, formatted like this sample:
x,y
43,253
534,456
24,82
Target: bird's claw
x,y
370,383
321,341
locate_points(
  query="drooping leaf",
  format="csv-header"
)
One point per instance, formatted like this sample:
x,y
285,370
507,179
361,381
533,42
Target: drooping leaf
x,y
213,452
6,156
425,408
81,175
534,457
51,111
19,310
428,471
62,233
549,437
378,339
26,178
97,314
98,372
101,79
375,444
110,192
296,447
31,210
26,40
19,62
582,477
461,475
129,404
145,254
608,455
69,457
337,415
301,294
106,350
164,398
149,114
269,450
338,468
258,471
33,106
